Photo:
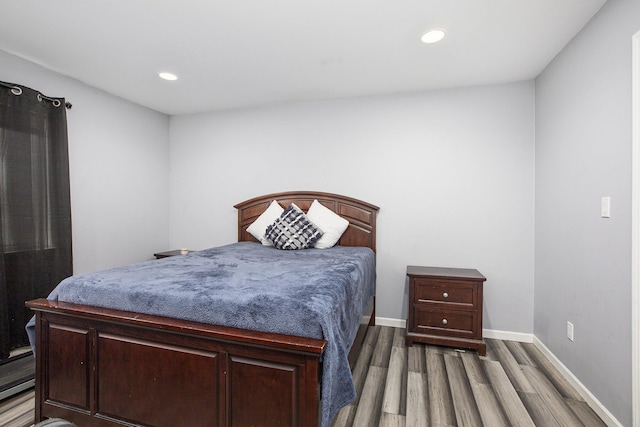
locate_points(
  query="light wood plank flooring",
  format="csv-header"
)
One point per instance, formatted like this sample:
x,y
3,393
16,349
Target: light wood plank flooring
x,y
18,411
514,385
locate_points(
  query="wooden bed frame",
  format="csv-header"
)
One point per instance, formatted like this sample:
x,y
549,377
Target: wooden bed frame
x,y
102,367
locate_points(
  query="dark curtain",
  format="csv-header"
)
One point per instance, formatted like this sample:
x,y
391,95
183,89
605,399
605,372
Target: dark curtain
x,y
35,208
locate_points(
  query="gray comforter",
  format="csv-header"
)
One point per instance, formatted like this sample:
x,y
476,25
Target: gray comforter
x,y
317,293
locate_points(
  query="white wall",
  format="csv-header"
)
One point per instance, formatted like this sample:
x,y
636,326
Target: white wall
x,y
583,152
451,170
118,159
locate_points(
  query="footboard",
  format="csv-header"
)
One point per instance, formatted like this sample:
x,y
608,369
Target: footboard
x,y
102,367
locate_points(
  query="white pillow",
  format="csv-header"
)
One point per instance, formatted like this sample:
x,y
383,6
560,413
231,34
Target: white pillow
x,y
332,224
258,228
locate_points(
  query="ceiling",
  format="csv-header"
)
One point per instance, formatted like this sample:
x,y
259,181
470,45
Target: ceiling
x,y
239,53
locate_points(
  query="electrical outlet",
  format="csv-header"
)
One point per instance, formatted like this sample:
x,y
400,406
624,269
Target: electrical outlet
x,y
570,330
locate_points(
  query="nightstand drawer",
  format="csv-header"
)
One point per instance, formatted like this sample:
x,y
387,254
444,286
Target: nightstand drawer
x,y
444,322
459,293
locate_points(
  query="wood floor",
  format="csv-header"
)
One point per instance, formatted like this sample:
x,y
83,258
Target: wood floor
x,y
514,385
18,411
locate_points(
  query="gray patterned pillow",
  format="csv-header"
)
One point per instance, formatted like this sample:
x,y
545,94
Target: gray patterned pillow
x,y
293,230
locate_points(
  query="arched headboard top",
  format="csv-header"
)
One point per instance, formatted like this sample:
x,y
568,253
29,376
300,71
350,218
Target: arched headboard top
x,y
361,215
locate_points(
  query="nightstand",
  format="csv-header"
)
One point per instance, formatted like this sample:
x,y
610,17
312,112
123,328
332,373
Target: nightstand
x,y
445,307
170,253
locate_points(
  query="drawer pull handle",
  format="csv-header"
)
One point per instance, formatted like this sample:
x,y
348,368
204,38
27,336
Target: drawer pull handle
x,y
444,321
446,295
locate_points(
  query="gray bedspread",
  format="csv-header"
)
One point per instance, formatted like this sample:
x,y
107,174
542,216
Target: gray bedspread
x,y
317,293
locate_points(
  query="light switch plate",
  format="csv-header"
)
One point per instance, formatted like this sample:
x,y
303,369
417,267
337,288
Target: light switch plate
x,y
605,207
570,331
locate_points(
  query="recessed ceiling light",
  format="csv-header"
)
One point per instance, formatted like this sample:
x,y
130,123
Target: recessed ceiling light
x,y
433,36
168,76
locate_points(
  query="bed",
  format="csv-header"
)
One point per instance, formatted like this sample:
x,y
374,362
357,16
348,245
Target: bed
x,y
88,368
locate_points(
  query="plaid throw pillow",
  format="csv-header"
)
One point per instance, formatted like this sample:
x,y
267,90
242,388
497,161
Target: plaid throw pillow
x,y
293,230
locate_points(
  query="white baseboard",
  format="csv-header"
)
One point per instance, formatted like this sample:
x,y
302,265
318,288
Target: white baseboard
x,y
606,416
487,333
394,323
507,335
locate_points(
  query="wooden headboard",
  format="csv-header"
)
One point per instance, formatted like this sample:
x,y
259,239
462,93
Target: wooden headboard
x,y
361,215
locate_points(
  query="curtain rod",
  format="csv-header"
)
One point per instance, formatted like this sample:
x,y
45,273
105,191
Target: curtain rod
x,y
17,90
